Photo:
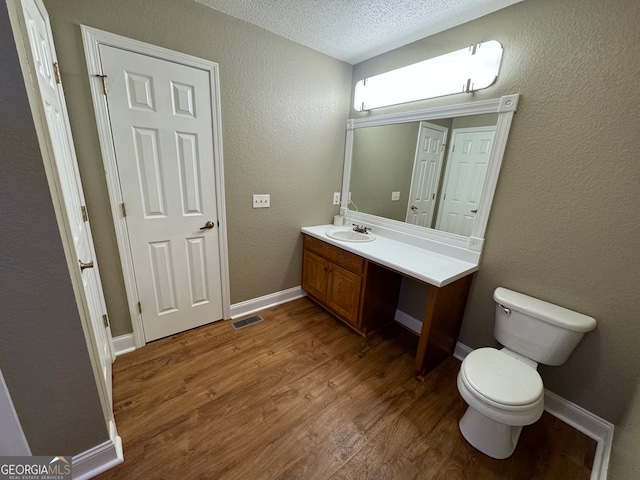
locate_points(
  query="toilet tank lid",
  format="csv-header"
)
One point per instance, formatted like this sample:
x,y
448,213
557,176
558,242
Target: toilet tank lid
x,y
554,314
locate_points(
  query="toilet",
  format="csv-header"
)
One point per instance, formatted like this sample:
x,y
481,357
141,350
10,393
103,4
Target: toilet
x,y
503,388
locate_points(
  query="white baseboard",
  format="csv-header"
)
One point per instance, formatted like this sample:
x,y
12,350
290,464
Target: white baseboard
x,y
251,306
579,418
589,424
461,351
127,343
124,344
12,440
98,459
408,321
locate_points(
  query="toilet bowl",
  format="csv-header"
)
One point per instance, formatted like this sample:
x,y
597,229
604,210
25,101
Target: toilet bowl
x,y
503,388
504,394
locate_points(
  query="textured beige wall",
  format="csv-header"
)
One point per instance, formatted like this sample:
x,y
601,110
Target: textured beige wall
x,y
43,353
284,111
564,225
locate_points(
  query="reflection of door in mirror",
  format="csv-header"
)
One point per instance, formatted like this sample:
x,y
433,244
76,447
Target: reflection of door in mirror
x,y
464,177
380,167
387,175
426,174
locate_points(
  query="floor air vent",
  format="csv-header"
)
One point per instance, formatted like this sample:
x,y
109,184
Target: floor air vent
x,y
245,322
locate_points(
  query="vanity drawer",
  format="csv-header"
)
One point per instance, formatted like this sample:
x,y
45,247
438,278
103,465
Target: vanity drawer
x,y
335,255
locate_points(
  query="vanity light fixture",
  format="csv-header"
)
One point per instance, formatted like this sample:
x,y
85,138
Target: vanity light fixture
x,y
463,71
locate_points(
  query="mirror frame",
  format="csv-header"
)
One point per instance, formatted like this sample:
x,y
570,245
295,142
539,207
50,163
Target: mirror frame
x,y
504,106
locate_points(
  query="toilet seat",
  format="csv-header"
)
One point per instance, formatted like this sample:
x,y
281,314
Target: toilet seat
x,y
500,380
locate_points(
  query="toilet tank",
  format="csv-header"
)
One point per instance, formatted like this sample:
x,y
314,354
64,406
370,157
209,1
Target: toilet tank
x,y
541,331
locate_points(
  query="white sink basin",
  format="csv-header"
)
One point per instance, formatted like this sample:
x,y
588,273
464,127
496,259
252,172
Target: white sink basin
x,y
348,235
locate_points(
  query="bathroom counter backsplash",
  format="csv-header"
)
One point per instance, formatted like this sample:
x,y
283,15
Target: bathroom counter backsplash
x,y
424,259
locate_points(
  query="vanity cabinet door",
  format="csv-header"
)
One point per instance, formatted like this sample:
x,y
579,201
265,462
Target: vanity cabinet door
x,y
315,272
333,278
343,293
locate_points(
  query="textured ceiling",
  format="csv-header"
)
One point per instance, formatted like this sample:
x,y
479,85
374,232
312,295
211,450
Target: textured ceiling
x,y
356,30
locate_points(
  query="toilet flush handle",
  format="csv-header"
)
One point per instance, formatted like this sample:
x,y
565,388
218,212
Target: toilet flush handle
x,y
506,310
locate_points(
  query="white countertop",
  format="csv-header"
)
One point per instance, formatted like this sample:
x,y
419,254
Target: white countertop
x,y
414,261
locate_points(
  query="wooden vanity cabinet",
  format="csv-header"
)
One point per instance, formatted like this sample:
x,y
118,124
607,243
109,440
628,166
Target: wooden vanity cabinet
x,y
356,291
333,277
335,287
364,294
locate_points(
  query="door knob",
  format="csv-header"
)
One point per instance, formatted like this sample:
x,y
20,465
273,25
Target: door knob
x,y
85,265
474,211
207,225
414,208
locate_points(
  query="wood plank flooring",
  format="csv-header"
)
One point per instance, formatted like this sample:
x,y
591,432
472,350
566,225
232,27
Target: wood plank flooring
x,y
300,396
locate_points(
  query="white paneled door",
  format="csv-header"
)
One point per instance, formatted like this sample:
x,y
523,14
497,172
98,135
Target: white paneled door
x,y
161,122
426,173
60,142
465,173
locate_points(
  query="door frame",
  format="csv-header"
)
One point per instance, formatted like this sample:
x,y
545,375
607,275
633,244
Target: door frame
x,y
111,450
92,38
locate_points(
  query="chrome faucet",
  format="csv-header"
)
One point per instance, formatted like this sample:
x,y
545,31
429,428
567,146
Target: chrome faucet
x,y
360,228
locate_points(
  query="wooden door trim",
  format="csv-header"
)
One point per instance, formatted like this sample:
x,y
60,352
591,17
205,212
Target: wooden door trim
x,y
92,38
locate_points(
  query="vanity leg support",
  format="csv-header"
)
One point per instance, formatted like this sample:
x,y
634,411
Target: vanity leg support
x,y
441,324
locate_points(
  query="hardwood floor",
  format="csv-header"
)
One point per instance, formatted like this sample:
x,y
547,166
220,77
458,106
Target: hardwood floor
x,y
301,396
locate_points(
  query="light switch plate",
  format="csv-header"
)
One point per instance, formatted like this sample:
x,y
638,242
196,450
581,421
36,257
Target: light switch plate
x,y
262,201
395,196
336,198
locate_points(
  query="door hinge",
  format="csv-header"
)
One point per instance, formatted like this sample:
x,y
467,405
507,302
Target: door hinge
x,y
85,215
124,210
104,83
139,307
453,149
105,320
442,147
56,73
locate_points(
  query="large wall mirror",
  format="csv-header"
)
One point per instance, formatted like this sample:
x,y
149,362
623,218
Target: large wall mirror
x,y
430,172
